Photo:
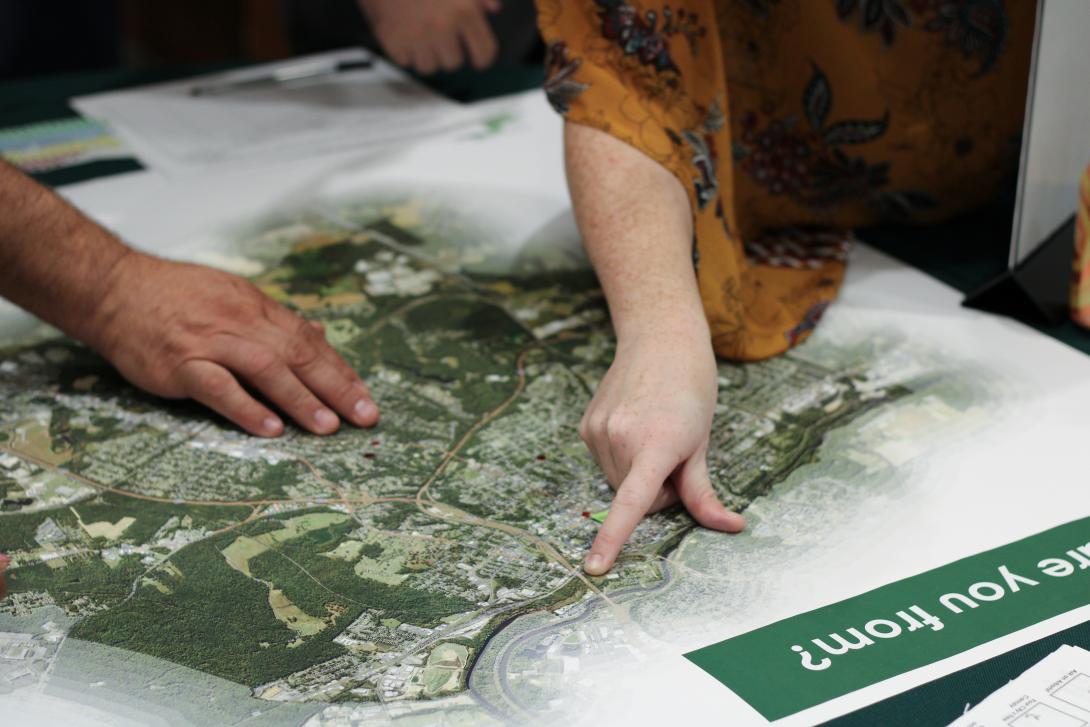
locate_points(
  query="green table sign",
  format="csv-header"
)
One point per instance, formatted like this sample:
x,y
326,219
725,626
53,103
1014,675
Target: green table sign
x,y
796,663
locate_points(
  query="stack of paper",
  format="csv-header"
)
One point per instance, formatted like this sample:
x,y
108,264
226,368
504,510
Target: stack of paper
x,y
174,130
1055,692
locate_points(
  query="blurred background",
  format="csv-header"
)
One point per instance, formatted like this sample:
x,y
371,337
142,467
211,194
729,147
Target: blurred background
x,y
61,36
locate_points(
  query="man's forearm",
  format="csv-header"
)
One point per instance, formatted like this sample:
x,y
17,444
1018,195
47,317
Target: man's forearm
x,y
636,224
54,261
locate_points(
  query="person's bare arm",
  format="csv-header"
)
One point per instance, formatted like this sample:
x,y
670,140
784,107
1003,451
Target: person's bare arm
x,y
53,260
649,422
173,329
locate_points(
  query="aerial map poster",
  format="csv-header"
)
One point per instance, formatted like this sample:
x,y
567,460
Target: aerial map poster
x,y
168,568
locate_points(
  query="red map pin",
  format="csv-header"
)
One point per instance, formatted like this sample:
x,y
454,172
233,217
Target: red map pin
x,y
4,560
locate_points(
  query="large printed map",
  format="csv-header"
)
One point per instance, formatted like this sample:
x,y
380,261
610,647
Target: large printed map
x,y
433,562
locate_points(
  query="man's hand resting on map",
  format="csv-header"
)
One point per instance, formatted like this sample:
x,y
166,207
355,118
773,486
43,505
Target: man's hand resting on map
x,y
173,329
649,422
179,330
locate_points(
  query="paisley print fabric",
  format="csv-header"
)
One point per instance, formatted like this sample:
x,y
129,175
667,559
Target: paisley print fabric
x,y
789,122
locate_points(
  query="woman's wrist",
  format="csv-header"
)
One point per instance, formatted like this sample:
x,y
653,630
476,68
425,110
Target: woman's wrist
x,y
683,328
660,306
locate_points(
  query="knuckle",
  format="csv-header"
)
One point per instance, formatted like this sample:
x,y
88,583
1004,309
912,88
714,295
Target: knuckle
x,y
627,498
215,383
244,294
584,430
621,428
313,331
266,305
262,361
176,382
302,400
174,349
244,287
610,540
596,428
301,352
346,393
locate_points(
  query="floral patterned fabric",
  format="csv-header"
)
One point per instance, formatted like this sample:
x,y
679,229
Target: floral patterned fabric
x,y
790,121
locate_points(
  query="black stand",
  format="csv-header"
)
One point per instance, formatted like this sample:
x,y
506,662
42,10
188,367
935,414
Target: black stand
x,y
1036,291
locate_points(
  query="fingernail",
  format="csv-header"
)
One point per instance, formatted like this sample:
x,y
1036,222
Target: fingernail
x,y
271,426
595,564
325,420
365,409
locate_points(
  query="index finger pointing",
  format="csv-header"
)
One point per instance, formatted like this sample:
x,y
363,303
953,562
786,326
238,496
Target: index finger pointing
x,y
633,499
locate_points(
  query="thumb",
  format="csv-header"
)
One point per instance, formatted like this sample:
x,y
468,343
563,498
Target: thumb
x,y
694,487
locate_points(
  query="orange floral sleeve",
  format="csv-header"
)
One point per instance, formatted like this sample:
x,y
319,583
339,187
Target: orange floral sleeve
x,y
790,121
652,75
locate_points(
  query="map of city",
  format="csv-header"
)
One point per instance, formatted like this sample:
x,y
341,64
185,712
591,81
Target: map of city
x,y
433,561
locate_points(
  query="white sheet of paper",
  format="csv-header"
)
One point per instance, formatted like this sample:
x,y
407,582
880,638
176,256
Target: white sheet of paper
x,y
174,131
1054,692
